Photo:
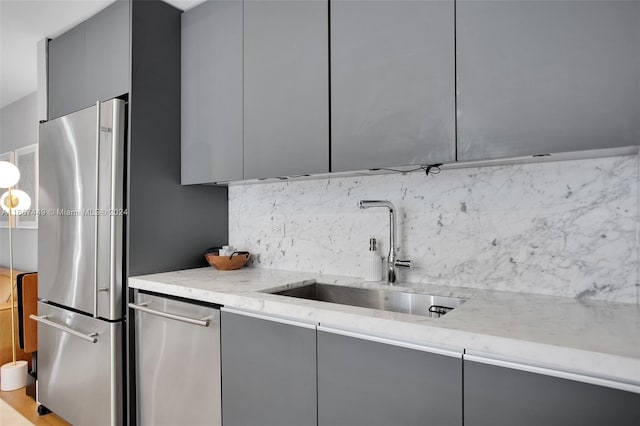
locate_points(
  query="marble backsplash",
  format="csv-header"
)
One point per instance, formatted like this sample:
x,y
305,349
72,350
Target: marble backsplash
x,y
564,228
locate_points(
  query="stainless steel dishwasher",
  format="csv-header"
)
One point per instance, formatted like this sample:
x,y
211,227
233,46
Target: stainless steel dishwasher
x,y
177,361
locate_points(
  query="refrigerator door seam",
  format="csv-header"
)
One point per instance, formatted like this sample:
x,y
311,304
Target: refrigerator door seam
x,y
95,254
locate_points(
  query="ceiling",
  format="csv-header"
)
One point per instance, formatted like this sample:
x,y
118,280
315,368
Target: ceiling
x,y
25,22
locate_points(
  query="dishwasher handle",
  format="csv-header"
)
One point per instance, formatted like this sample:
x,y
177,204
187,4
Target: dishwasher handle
x,y
43,320
204,322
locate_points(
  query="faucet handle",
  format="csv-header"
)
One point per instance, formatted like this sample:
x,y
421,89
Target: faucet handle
x,y
403,263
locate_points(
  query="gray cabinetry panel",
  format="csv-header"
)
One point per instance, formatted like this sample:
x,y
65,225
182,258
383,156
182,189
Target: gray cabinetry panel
x,y
107,53
154,155
367,383
539,76
212,92
66,73
392,83
268,372
286,130
496,395
90,62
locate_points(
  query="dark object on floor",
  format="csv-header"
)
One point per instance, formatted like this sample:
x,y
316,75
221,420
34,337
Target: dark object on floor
x,y
42,410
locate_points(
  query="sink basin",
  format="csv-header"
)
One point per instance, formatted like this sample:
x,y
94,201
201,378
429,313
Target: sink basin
x,y
386,300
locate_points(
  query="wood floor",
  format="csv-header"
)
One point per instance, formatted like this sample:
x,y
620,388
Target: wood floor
x,y
26,406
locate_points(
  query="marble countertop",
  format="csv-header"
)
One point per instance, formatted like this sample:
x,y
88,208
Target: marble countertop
x,y
588,337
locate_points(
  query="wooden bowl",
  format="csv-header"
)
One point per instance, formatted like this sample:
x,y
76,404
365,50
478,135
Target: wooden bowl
x,y
227,263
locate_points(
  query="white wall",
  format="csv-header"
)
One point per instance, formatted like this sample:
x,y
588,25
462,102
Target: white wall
x,y
19,128
560,228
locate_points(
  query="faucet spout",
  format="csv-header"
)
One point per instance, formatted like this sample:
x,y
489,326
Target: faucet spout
x,y
365,204
392,263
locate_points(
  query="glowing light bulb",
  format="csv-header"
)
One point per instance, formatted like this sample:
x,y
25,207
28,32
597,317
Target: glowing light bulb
x,y
9,174
18,202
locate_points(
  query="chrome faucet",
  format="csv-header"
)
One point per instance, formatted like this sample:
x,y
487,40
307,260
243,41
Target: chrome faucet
x,y
392,262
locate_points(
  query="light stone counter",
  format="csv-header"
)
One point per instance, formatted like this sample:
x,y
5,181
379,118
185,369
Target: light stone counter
x,y
594,338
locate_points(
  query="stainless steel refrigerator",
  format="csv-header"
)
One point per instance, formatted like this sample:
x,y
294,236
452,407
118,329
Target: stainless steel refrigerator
x,y
80,265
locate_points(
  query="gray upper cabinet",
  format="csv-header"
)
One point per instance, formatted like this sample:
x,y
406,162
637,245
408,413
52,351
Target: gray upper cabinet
x,y
537,76
212,92
365,381
392,83
67,73
495,395
107,53
286,95
90,62
268,371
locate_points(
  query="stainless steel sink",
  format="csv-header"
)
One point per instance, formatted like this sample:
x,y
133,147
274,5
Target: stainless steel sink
x,y
386,300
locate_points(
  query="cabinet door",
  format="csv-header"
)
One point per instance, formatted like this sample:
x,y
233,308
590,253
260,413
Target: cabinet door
x,y
107,53
66,73
268,371
538,76
365,382
286,124
392,83
495,395
212,92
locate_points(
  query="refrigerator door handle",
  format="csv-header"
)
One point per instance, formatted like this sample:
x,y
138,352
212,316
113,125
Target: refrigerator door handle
x,y
43,320
95,252
204,322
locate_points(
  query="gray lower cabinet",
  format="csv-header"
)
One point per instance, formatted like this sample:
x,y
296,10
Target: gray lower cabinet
x,y
392,83
211,112
498,395
287,373
90,62
367,381
537,76
286,95
268,371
